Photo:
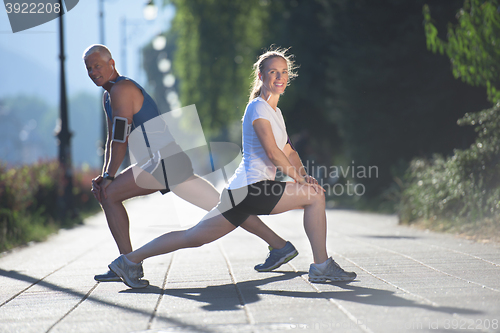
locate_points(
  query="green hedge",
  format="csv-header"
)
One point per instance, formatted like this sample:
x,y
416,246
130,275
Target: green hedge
x,y
464,187
28,202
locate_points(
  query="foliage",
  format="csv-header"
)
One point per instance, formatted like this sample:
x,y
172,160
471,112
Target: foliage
x,y
473,44
301,25
28,202
368,91
151,60
390,98
465,186
216,44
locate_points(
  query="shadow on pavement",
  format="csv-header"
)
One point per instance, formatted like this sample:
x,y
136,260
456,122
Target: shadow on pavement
x,y
226,297
390,237
34,281
221,297
381,297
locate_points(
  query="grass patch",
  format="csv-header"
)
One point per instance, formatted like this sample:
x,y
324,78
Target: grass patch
x,y
483,231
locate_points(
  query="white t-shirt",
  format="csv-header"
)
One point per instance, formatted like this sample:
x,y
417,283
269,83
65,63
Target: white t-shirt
x,y
255,165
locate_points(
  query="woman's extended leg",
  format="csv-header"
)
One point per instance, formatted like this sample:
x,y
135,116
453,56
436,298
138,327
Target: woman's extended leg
x,y
201,193
128,267
212,227
312,201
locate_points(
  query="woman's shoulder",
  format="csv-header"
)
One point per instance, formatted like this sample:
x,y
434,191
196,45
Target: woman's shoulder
x,y
257,104
256,108
255,101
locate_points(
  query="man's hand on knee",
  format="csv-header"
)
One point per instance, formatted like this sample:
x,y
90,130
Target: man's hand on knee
x,y
104,184
96,188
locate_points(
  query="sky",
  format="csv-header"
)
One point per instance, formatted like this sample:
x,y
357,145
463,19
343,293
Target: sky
x,y
34,53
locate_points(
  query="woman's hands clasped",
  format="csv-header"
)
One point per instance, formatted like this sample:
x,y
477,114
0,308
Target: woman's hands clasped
x,y
311,181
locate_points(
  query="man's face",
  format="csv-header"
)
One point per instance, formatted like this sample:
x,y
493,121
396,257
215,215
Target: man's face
x,y
99,69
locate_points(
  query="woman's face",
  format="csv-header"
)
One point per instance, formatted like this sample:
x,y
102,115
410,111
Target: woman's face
x,y
274,75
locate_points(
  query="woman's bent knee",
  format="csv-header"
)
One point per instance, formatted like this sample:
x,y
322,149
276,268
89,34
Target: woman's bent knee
x,y
315,197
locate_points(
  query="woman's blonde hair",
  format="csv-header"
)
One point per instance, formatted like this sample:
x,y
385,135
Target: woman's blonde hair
x,y
258,67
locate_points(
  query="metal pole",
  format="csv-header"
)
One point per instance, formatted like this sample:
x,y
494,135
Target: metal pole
x,y
64,135
102,34
101,21
123,69
124,45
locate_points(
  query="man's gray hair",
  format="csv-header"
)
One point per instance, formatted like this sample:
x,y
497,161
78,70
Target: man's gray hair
x,y
101,49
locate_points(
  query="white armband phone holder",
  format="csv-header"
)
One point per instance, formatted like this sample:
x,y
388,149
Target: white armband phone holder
x,y
121,129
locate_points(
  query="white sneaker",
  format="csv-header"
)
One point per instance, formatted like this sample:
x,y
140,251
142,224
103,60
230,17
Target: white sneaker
x,y
128,273
332,272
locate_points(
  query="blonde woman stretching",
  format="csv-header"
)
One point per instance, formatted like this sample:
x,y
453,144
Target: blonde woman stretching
x,y
252,189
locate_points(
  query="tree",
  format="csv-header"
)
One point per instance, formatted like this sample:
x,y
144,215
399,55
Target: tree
x,y
368,90
465,186
473,44
216,44
300,26
391,99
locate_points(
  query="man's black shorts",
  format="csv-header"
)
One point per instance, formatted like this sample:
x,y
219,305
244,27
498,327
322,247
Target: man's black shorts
x,y
170,166
174,170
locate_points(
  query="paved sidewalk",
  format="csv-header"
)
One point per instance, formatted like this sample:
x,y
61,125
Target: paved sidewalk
x,y
408,280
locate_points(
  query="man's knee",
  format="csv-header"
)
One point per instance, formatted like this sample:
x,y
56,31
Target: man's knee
x,y
110,198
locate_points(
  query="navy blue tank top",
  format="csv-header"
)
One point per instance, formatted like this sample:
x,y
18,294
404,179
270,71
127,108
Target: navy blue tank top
x,y
148,111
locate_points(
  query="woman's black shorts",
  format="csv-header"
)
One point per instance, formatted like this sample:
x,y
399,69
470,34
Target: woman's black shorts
x,y
260,198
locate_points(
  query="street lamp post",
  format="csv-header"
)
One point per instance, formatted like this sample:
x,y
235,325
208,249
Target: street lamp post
x,y
150,12
64,135
102,35
101,22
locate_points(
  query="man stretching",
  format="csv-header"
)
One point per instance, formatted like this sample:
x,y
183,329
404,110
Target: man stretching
x,y
127,106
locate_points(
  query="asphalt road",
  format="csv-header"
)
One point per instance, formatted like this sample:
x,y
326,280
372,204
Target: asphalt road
x,y
408,280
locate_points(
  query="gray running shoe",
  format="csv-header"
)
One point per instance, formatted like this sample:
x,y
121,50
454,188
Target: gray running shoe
x,y
332,272
277,257
110,276
128,273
